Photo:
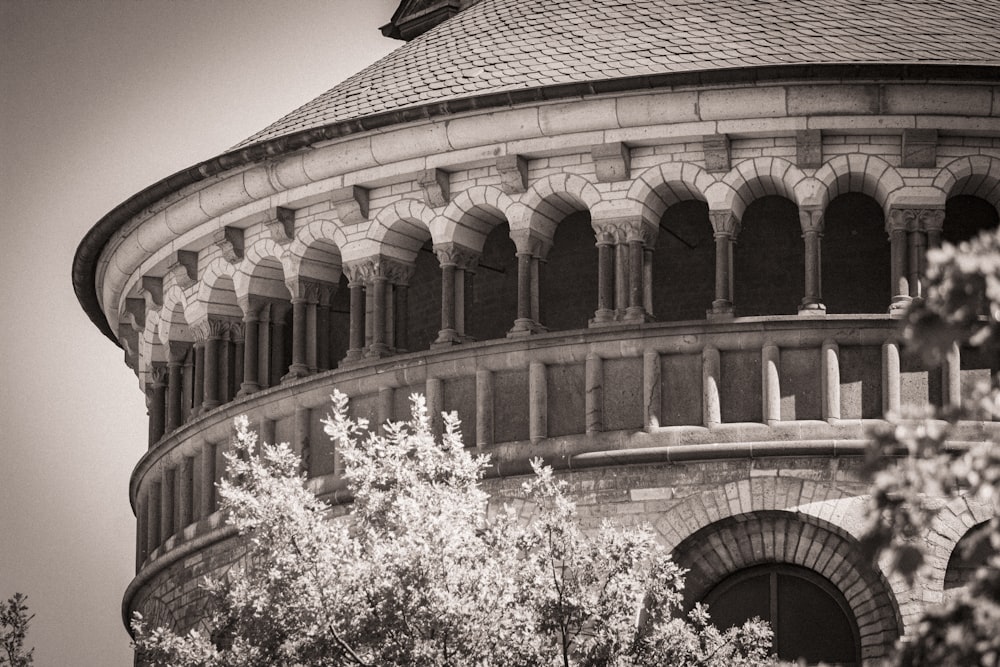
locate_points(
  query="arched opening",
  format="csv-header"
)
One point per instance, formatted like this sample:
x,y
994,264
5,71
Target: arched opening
x,y
494,295
769,260
684,263
267,288
965,216
222,305
568,291
340,321
855,256
424,302
811,619
971,552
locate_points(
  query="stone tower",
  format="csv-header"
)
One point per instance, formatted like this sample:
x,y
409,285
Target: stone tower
x,y
660,243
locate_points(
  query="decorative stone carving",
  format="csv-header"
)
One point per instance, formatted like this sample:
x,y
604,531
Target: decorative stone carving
x,y
351,204
902,219
436,186
919,148
716,152
612,162
128,338
281,224
307,290
211,328
513,171
184,268
237,332
229,240
811,220
809,148
724,223
158,374
456,255
365,270
931,219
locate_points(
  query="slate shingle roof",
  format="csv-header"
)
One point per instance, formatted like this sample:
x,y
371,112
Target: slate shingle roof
x,y
500,45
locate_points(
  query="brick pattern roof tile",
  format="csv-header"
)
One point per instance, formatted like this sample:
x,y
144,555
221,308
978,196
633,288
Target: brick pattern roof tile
x,y
502,45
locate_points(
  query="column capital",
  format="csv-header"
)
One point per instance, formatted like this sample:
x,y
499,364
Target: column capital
x,y
811,219
456,255
211,328
724,223
364,271
304,289
177,350
528,242
931,219
237,332
902,219
158,374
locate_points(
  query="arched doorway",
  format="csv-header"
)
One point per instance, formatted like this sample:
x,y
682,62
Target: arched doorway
x,y
810,618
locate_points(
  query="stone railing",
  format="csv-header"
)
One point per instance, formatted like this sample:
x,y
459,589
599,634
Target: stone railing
x,y
773,386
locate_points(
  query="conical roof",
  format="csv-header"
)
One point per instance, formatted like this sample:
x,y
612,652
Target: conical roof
x,y
504,45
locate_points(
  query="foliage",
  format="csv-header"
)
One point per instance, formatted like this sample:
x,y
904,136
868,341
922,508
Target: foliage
x,y
962,307
421,573
14,622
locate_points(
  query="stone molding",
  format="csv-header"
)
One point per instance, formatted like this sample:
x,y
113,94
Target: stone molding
x,y
280,222
229,241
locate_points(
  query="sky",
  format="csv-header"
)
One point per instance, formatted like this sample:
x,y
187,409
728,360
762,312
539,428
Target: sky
x,y
98,100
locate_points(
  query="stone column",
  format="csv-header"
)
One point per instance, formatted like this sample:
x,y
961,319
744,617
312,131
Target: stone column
x,y
185,496
357,327
639,237
264,347
300,304
402,315
326,292
896,225
187,398
455,260
279,363
711,374
237,334
605,277
529,247
621,276
212,331
157,400
199,378
167,505
726,229
206,480
176,354
932,221
916,242
377,288
647,280
152,517
811,220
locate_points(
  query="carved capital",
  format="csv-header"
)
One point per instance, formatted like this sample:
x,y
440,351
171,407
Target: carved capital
x,y
229,241
436,186
724,223
357,271
306,290
526,241
351,204
177,351
184,269
931,219
456,255
901,220
280,222
513,170
237,332
158,374
811,220
210,328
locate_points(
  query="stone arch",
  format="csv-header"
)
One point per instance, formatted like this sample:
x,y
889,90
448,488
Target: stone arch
x,y
755,494
263,271
975,175
550,200
658,188
759,177
315,253
151,351
471,216
865,174
216,292
742,541
401,229
970,552
175,323
157,614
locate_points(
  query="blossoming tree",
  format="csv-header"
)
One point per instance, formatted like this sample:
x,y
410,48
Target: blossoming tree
x,y
421,573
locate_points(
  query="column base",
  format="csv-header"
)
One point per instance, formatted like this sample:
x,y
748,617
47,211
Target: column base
x,y
525,327
720,310
603,316
812,309
446,337
354,355
377,352
296,371
635,314
247,388
899,304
